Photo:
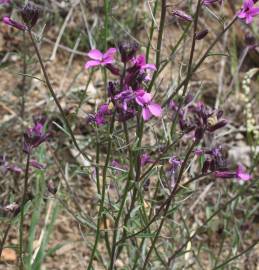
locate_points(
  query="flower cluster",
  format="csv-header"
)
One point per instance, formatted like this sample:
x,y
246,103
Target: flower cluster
x,y
34,136
248,11
30,15
198,118
5,166
216,162
127,94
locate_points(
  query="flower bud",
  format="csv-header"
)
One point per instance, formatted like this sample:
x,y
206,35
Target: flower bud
x,y
30,15
202,34
199,132
182,15
127,50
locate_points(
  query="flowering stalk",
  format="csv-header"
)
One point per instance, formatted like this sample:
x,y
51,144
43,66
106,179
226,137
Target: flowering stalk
x,y
23,85
54,96
123,199
4,238
159,42
192,47
169,200
239,194
152,28
195,68
101,208
25,188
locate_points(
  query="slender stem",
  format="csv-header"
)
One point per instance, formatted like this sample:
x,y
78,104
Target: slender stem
x,y
237,256
55,97
106,23
26,178
152,28
123,200
97,160
23,86
206,222
192,47
100,214
124,236
159,42
4,238
183,166
195,68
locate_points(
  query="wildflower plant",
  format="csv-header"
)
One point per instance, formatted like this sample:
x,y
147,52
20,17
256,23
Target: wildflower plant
x,y
149,151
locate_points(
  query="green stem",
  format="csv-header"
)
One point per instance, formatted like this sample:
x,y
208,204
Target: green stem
x,y
195,68
183,166
159,42
221,208
123,200
237,256
23,86
25,188
4,238
152,28
100,214
192,47
55,97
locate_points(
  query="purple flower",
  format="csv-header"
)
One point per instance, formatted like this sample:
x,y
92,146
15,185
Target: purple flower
x,y
127,50
30,15
214,160
202,34
248,11
242,174
198,152
149,108
5,166
5,2
182,15
172,170
34,137
99,117
34,163
140,62
123,98
239,174
15,24
145,159
99,58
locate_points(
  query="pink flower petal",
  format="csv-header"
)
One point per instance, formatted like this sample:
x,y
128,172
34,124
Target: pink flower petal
x,y
155,109
108,60
241,14
146,114
149,66
249,19
242,174
140,60
146,97
92,63
109,53
95,55
254,12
